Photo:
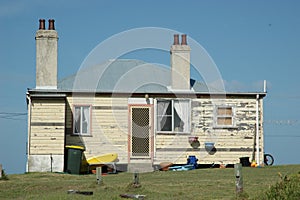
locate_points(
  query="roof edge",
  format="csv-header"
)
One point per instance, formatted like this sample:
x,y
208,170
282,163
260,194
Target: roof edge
x,y
184,92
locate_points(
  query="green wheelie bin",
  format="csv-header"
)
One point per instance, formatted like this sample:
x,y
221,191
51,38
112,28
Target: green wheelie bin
x,y
74,157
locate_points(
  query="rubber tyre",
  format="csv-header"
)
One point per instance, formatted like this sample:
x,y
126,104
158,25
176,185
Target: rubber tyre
x,y
268,159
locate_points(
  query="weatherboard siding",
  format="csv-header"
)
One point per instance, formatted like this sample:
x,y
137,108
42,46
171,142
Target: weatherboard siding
x,y
109,126
47,127
51,128
230,143
109,131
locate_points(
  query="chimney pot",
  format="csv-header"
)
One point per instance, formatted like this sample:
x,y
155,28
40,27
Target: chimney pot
x,y
42,24
51,24
176,39
183,39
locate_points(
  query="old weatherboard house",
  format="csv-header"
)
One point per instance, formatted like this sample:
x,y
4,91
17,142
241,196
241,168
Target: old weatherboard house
x,y
150,123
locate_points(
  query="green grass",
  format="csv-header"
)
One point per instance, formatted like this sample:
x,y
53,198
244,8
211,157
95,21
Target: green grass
x,y
287,188
194,184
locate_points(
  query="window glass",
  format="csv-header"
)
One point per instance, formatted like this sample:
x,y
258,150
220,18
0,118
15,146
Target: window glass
x,y
224,121
181,116
164,115
82,120
224,116
77,120
173,115
85,119
225,111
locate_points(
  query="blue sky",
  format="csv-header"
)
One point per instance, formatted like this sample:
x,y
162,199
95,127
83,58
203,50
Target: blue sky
x,y
250,41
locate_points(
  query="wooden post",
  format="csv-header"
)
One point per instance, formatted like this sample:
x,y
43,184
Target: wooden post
x,y
99,175
51,162
136,180
238,178
0,170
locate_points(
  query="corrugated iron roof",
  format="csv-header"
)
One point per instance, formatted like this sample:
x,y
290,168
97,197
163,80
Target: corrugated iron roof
x,y
124,75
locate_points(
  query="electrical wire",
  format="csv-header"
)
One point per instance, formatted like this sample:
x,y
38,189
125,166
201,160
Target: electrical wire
x,y
286,136
283,122
13,115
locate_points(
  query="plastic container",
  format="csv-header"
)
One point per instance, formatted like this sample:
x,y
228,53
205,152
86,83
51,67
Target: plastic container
x,y
74,157
192,160
209,146
245,161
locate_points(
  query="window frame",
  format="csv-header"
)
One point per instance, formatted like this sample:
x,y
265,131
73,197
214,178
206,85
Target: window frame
x,y
89,126
218,116
173,131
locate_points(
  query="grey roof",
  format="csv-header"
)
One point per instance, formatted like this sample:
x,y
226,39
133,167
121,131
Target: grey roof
x,y
124,75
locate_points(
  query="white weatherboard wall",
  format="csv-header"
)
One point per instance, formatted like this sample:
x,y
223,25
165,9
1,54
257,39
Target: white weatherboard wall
x,y
110,130
109,126
230,143
46,135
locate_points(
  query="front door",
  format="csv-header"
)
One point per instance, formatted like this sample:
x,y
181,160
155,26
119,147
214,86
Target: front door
x,y
140,132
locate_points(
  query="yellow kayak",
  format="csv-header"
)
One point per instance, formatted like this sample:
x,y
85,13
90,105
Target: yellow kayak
x,y
105,158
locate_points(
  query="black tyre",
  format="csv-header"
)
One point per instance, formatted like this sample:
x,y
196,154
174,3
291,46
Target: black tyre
x,y
268,159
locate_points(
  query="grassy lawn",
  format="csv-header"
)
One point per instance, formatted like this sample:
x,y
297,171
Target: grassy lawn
x,y
194,184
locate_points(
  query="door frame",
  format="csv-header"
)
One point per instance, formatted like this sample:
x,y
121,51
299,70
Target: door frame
x,y
151,131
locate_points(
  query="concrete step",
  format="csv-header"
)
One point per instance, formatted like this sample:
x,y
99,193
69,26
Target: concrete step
x,y
140,167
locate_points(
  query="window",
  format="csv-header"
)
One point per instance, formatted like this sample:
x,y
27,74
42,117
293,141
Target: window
x,y
82,120
224,116
173,116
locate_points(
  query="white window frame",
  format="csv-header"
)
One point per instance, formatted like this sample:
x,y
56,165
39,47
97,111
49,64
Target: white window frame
x,y
188,131
217,116
81,119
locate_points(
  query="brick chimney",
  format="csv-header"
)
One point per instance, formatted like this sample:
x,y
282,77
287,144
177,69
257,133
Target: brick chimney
x,y
46,56
180,64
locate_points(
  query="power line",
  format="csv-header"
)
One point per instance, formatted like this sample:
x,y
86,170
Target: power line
x,y
283,122
289,136
12,115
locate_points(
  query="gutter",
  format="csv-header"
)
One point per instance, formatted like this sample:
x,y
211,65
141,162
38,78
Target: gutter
x,y
48,95
64,93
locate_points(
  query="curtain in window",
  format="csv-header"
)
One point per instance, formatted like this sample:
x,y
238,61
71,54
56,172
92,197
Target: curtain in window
x,y
181,119
77,120
162,117
85,119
